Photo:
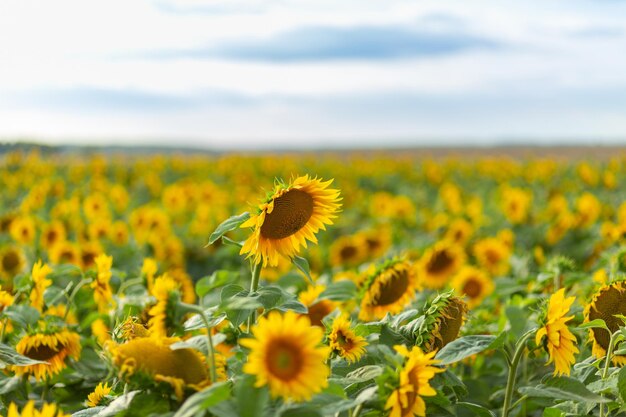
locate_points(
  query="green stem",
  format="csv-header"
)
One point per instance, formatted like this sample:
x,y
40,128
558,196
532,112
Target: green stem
x,y
4,327
607,363
211,352
254,285
128,284
510,383
357,410
70,299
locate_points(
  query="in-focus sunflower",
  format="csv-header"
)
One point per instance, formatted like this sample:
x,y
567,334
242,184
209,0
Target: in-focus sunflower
x,y
344,342
40,283
29,410
439,263
152,356
493,254
289,217
473,283
560,342
287,355
318,309
50,347
418,370
95,398
605,304
388,289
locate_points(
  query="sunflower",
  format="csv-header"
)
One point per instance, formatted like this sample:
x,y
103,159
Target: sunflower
x,y
348,251
287,355
164,288
418,370
188,291
95,398
29,410
12,262
100,331
605,304
52,234
377,241
118,233
65,253
41,282
459,231
442,321
473,283
50,347
516,203
388,289
149,269
23,229
439,263
318,309
493,254
89,251
102,293
560,342
288,218
153,356
344,342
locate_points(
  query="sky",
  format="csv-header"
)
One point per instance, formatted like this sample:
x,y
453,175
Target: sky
x,y
253,74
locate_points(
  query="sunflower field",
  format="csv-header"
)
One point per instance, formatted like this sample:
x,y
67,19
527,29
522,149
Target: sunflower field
x,y
340,285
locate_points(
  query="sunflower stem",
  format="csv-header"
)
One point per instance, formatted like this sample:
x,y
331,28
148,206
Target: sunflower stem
x,y
357,410
607,363
254,285
510,383
4,327
70,299
211,352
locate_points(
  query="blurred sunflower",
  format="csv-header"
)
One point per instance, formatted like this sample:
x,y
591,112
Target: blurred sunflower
x,y
473,283
343,340
493,254
459,231
318,309
52,234
607,302
29,410
95,398
289,217
348,251
164,289
377,241
516,203
40,283
23,229
418,370
439,263
65,252
153,356
52,347
100,331
102,293
12,262
287,355
388,289
560,342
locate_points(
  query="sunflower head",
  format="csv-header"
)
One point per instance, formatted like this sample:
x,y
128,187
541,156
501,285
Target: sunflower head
x,y
318,308
473,283
286,354
388,289
12,262
439,263
348,251
441,322
607,304
288,217
344,341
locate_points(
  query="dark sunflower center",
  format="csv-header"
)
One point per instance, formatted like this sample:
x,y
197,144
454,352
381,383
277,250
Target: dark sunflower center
x,y
318,311
347,252
372,243
67,256
291,212
492,256
439,262
52,236
41,353
394,289
472,288
345,342
284,360
609,303
10,261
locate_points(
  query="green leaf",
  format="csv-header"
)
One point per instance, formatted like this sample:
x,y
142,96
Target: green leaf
x,y
362,374
303,265
552,412
517,319
464,347
195,322
228,241
217,279
594,324
119,405
9,356
9,385
202,400
301,411
88,412
22,314
251,401
227,225
477,410
340,291
621,384
563,388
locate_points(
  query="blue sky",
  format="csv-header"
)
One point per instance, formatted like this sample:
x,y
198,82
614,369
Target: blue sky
x,y
310,73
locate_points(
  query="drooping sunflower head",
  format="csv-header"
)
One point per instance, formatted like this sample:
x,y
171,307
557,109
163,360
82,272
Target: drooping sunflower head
x,y
439,263
51,347
441,323
154,359
605,304
473,283
388,289
560,342
289,217
286,354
